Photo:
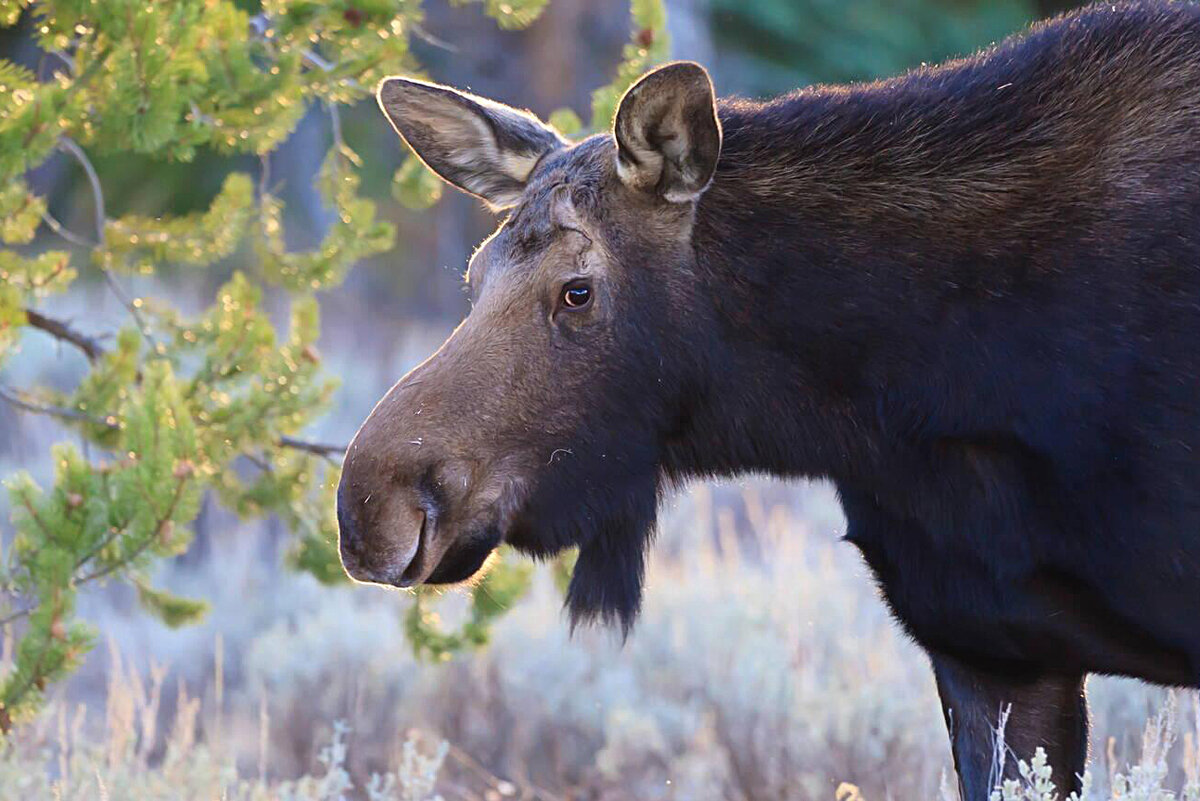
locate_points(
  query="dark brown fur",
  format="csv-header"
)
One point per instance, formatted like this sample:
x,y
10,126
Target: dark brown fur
x,y
969,296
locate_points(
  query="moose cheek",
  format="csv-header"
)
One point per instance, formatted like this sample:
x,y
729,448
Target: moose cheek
x,y
573,329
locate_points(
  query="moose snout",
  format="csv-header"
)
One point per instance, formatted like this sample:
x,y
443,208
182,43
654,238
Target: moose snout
x,y
406,485
386,539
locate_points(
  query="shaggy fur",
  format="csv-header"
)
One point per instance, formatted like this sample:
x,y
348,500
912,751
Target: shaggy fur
x,y
969,296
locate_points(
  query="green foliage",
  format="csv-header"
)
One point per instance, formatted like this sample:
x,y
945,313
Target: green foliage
x,y
20,211
566,121
248,387
24,279
562,568
199,240
314,519
501,587
354,234
510,13
791,44
32,118
650,46
415,186
36,276
176,406
170,609
179,406
12,318
100,521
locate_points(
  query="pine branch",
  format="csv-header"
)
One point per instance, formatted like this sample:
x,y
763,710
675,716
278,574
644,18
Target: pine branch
x,y
54,411
63,332
322,449
261,23
142,547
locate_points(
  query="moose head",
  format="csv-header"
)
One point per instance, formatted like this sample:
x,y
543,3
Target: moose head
x,y
549,417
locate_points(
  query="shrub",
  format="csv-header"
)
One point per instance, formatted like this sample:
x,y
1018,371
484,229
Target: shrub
x,y
180,403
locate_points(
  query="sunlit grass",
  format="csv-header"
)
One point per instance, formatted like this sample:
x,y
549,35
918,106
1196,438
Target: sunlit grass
x,y
764,667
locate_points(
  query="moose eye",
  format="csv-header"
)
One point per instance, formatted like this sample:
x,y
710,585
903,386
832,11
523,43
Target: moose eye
x,y
576,295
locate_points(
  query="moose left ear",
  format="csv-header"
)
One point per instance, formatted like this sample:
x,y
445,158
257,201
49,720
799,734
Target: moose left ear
x,y
485,148
667,131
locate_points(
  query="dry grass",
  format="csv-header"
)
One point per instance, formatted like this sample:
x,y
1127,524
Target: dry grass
x,y
764,667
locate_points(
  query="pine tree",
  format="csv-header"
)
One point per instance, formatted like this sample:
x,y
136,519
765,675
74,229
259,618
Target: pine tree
x,y
167,408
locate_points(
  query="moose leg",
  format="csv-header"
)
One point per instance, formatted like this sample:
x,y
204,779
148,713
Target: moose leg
x,y
1048,711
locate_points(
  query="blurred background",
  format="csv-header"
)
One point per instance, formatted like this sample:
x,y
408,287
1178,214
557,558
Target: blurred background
x,y
764,667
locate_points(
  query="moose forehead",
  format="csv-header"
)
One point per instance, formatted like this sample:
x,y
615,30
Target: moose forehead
x,y
566,185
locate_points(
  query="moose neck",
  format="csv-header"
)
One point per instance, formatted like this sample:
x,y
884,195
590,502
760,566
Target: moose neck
x,y
840,229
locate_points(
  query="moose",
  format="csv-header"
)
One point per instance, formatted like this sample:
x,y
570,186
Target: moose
x,y
968,296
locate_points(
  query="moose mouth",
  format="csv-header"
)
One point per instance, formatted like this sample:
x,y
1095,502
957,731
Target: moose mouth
x,y
444,549
467,552
464,558
432,562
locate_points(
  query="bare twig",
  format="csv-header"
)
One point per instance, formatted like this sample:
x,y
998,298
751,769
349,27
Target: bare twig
x,y
65,58
129,305
335,123
315,60
55,411
72,147
427,37
320,449
20,613
64,332
61,230
264,175
260,462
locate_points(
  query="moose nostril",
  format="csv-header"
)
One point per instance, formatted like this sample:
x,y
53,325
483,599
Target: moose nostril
x,y
415,567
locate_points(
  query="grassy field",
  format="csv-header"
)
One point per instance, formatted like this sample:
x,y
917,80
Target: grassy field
x,y
764,667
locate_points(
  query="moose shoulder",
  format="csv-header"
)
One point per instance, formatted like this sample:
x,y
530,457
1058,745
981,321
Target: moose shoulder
x,y
969,296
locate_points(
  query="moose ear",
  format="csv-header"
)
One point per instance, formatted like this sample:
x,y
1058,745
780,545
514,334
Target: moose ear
x,y
485,148
667,131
